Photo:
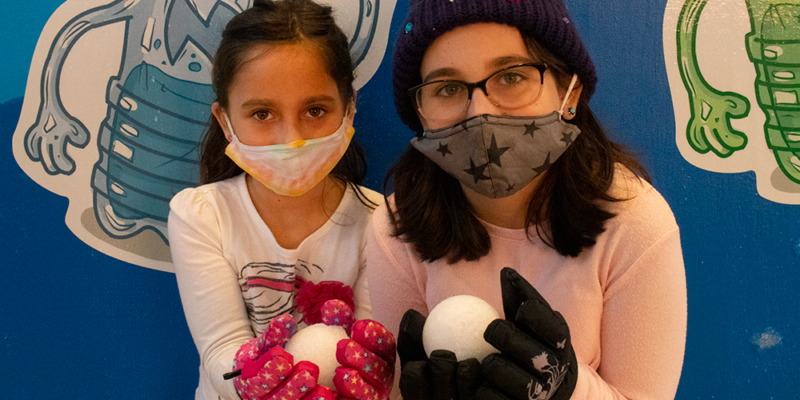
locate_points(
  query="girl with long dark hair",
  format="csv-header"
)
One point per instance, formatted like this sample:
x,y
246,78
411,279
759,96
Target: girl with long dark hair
x,y
510,168
281,207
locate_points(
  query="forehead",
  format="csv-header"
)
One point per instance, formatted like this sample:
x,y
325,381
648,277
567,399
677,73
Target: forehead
x,y
282,69
474,49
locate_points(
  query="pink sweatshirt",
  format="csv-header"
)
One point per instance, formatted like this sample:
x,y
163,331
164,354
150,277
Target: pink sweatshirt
x,y
624,299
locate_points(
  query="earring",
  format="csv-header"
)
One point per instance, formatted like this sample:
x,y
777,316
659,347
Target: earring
x,y
571,111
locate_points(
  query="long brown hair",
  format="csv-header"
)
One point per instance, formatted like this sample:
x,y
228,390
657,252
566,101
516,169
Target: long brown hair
x,y
278,23
432,213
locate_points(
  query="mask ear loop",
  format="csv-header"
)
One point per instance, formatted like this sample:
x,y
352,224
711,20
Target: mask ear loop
x,y
566,97
230,127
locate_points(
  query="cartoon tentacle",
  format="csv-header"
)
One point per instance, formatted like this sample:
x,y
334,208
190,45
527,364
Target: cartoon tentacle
x,y
46,140
709,128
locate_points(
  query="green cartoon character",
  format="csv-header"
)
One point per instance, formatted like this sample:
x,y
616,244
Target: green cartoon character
x,y
773,46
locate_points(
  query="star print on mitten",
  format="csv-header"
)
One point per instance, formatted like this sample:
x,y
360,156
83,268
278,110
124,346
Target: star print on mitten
x,y
367,361
264,370
278,332
278,376
337,312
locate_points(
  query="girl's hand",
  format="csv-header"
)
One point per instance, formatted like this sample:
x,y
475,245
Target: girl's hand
x,y
263,369
534,336
441,377
367,358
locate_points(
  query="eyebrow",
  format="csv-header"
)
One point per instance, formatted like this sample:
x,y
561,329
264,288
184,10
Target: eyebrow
x,y
320,99
496,63
501,62
269,103
257,103
437,73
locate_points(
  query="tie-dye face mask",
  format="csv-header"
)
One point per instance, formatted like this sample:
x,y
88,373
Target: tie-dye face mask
x,y
291,169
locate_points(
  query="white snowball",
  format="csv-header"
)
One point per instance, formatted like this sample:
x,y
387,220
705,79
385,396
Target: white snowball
x,y
457,324
317,343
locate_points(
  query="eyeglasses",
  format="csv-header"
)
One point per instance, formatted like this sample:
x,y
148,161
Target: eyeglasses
x,y
512,87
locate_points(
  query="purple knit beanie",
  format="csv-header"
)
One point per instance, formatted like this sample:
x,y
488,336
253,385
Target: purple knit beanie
x,y
546,21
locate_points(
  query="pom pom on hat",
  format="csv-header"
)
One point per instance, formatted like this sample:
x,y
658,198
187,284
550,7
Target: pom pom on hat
x,y
546,21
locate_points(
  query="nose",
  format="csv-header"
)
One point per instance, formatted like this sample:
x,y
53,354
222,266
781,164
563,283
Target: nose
x,y
480,104
290,132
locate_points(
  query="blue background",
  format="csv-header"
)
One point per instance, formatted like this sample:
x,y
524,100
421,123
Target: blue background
x,y
77,324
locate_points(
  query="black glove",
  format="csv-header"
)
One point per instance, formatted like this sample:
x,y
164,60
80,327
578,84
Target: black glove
x,y
536,359
439,378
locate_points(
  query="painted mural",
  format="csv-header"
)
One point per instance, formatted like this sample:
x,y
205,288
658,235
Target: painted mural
x,y
735,81
116,105
67,303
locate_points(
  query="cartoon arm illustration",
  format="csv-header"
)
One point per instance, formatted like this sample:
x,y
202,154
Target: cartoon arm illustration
x,y
709,128
46,141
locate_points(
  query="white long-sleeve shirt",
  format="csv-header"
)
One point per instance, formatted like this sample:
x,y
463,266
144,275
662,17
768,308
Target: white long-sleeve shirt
x,y
233,277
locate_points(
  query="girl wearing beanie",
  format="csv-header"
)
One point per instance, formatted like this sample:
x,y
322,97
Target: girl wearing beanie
x,y
510,176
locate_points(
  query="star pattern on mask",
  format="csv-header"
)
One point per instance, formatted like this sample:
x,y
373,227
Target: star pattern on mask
x,y
567,138
495,152
510,188
544,165
443,149
530,129
477,171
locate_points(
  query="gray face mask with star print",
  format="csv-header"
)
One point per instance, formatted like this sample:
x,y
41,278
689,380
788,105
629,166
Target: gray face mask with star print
x,y
495,155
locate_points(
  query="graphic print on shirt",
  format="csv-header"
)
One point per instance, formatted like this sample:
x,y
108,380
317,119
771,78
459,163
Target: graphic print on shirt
x,y
750,55
117,104
268,289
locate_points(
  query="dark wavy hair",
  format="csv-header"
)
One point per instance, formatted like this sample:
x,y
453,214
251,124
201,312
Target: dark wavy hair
x,y
432,213
278,23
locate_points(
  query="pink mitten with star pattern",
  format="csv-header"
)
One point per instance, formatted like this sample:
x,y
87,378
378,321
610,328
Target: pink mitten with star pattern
x,y
264,370
367,358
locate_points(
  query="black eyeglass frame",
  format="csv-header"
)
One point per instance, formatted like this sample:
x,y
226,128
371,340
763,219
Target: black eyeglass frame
x,y
480,84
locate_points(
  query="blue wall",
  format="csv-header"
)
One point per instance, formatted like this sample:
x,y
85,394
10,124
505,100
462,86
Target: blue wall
x,y
76,323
